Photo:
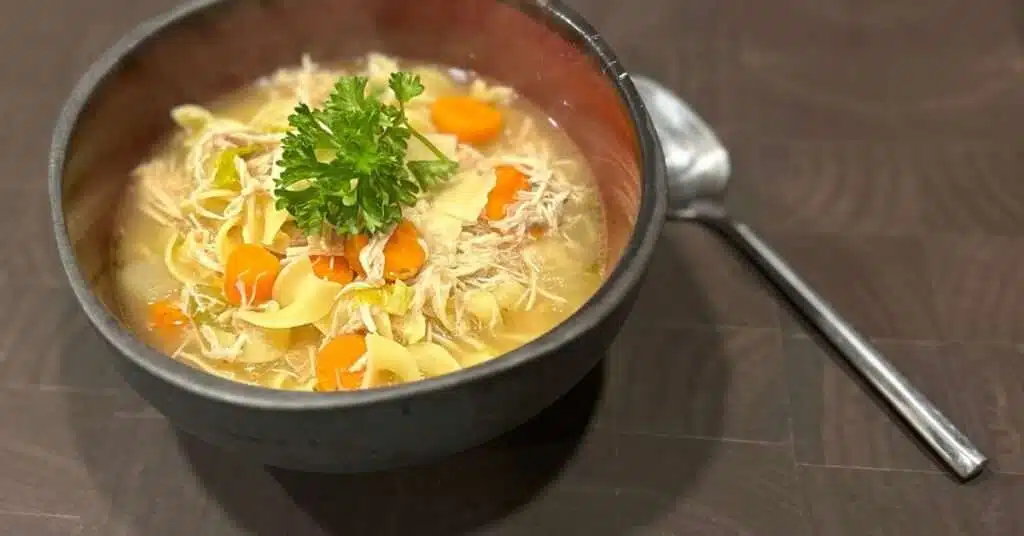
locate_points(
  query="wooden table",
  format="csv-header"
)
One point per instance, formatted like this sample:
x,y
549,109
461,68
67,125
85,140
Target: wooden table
x,y
878,145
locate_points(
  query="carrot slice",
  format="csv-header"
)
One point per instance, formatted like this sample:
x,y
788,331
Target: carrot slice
x,y
166,319
334,363
353,246
470,120
251,269
403,254
537,231
510,181
406,229
332,268
403,259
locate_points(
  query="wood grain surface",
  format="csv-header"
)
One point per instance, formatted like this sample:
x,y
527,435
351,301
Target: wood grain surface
x,y
877,143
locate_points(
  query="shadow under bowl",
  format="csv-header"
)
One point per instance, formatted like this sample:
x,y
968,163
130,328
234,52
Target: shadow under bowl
x,y
203,50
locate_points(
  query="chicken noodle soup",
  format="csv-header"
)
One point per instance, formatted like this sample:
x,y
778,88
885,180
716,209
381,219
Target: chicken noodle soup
x,y
338,228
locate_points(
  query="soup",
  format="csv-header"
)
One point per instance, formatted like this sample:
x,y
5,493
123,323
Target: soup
x,y
355,226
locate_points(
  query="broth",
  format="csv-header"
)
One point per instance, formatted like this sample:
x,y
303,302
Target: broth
x,y
484,261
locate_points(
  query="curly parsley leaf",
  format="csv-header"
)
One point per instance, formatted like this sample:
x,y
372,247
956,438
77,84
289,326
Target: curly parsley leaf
x,y
344,164
405,86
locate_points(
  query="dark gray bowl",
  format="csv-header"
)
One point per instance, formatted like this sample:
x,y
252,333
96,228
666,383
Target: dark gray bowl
x,y
120,109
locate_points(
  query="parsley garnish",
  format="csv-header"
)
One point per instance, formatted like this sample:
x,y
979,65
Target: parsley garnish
x,y
344,164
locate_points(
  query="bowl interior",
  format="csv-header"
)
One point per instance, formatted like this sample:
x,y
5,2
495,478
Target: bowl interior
x,y
227,45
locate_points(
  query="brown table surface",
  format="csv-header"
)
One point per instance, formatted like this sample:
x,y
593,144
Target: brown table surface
x,y
876,143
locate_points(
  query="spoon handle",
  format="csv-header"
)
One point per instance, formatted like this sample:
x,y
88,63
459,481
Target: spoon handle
x,y
930,424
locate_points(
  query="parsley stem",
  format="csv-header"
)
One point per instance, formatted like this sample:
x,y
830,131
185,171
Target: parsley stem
x,y
433,148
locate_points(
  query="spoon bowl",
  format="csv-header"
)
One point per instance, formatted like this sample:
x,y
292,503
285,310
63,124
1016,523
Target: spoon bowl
x,y
697,163
698,174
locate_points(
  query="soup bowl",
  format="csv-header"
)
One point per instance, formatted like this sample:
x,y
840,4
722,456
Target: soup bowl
x,y
198,52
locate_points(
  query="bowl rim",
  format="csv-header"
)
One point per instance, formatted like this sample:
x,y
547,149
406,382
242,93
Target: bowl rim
x,y
613,291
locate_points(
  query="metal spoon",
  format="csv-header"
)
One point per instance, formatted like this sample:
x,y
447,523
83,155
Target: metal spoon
x,y
698,171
